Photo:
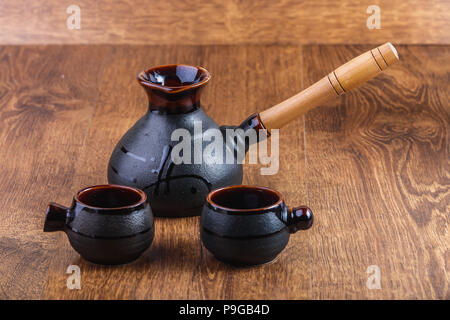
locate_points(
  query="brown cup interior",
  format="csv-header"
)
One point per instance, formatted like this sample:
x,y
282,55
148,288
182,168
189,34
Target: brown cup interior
x,y
244,198
110,196
175,76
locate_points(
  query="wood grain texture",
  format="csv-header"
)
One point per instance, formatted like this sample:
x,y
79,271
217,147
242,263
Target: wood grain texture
x,y
378,178
224,22
45,108
373,166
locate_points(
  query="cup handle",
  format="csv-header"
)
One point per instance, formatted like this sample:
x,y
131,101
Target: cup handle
x,y
298,218
55,217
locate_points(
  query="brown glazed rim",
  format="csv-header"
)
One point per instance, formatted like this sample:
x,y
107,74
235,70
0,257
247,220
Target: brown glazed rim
x,y
240,186
112,186
169,89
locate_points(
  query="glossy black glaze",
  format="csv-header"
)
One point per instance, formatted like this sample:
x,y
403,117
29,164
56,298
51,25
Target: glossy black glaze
x,y
106,224
142,158
249,225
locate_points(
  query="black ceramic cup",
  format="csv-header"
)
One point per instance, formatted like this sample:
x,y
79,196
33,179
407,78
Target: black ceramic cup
x,y
249,225
106,224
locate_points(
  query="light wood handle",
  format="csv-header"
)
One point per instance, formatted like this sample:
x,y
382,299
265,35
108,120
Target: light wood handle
x,y
348,76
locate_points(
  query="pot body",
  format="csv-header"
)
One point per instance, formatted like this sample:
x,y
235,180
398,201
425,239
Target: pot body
x,y
244,238
143,159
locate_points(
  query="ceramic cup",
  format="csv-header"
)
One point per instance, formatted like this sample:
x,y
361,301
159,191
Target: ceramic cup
x,y
249,225
106,224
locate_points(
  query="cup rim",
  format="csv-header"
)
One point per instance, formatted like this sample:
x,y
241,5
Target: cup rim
x,y
173,89
241,186
142,194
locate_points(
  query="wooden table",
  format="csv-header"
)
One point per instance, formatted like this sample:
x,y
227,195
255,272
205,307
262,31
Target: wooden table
x,y
373,165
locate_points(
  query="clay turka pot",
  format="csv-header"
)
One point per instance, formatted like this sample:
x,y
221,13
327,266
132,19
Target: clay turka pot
x,y
142,158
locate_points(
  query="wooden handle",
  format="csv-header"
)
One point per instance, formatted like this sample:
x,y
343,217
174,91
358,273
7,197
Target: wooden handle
x,y
343,79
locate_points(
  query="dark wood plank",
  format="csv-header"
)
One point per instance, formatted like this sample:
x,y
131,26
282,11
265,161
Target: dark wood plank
x,y
47,98
377,164
374,171
224,22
